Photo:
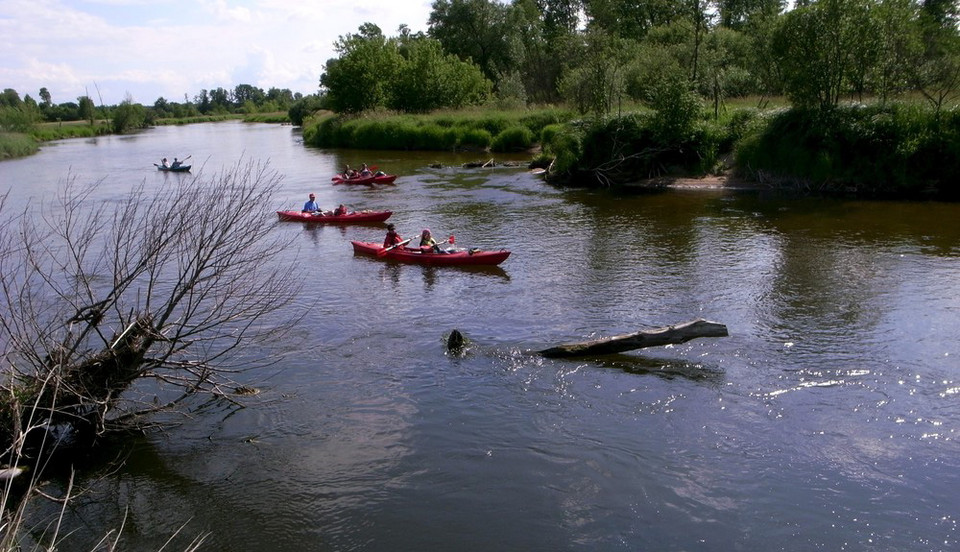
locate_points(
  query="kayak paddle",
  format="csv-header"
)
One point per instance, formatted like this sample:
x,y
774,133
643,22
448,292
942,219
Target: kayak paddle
x,y
383,251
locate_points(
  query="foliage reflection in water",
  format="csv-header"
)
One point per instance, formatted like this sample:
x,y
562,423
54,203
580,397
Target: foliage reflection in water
x,y
827,413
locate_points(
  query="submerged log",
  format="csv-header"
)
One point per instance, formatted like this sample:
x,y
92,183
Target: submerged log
x,y
669,335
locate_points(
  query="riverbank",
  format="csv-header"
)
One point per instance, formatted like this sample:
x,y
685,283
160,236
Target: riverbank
x,y
707,182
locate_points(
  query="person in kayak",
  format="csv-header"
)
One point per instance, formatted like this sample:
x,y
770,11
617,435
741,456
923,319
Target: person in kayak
x,y
311,206
364,171
428,244
392,238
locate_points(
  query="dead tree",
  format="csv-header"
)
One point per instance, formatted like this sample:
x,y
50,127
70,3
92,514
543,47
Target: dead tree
x,y
669,335
166,283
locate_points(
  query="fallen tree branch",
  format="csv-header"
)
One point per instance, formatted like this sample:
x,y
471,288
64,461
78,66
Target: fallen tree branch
x,y
669,335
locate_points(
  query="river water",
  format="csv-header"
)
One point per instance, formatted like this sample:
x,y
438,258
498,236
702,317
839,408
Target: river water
x,y
827,420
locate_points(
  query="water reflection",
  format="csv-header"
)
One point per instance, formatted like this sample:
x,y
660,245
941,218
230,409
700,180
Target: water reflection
x,y
666,368
837,384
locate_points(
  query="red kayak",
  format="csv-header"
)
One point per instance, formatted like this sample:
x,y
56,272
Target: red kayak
x,y
356,216
340,179
365,180
455,257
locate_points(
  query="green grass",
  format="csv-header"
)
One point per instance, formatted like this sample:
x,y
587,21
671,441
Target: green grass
x,y
276,117
469,129
196,119
16,144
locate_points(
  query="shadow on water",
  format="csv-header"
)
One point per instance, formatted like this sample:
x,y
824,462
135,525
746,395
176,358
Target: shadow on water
x,y
660,367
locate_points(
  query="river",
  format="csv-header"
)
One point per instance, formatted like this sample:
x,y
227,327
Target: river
x,y
827,420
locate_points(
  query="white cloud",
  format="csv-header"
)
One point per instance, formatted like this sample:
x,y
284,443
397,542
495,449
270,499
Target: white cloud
x,y
174,47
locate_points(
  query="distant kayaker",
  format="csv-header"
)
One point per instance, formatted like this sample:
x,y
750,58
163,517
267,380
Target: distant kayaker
x,y
311,206
364,171
340,210
176,163
164,163
392,238
348,172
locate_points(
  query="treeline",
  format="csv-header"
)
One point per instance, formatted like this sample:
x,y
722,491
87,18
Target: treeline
x,y
22,114
866,89
597,55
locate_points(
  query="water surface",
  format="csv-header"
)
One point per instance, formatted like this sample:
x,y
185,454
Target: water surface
x,y
827,420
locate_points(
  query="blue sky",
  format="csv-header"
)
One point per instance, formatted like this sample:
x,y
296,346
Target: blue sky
x,y
145,49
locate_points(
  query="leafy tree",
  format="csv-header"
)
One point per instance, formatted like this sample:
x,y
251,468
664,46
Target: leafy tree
x,y
304,107
561,18
738,14
128,116
760,57
203,102
822,50
632,18
21,118
244,93
85,108
900,44
220,101
511,93
935,72
10,98
161,107
480,31
597,81
428,79
282,98
540,53
678,109
722,67
941,13
45,97
359,79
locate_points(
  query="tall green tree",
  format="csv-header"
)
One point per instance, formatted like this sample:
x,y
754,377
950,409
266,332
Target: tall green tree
x,y
936,71
596,83
738,14
632,18
221,100
900,45
544,47
480,31
10,98
427,78
128,116
359,79
244,93
86,109
46,99
823,50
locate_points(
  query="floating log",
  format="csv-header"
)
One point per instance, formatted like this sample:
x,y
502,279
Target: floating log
x,y
669,335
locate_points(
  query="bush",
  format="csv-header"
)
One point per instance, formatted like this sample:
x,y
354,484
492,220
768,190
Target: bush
x,y
475,138
892,150
515,138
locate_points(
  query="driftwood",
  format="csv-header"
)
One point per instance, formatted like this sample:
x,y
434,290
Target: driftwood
x,y
669,335
478,164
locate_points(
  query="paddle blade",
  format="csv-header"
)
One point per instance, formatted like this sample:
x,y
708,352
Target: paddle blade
x,y
450,239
